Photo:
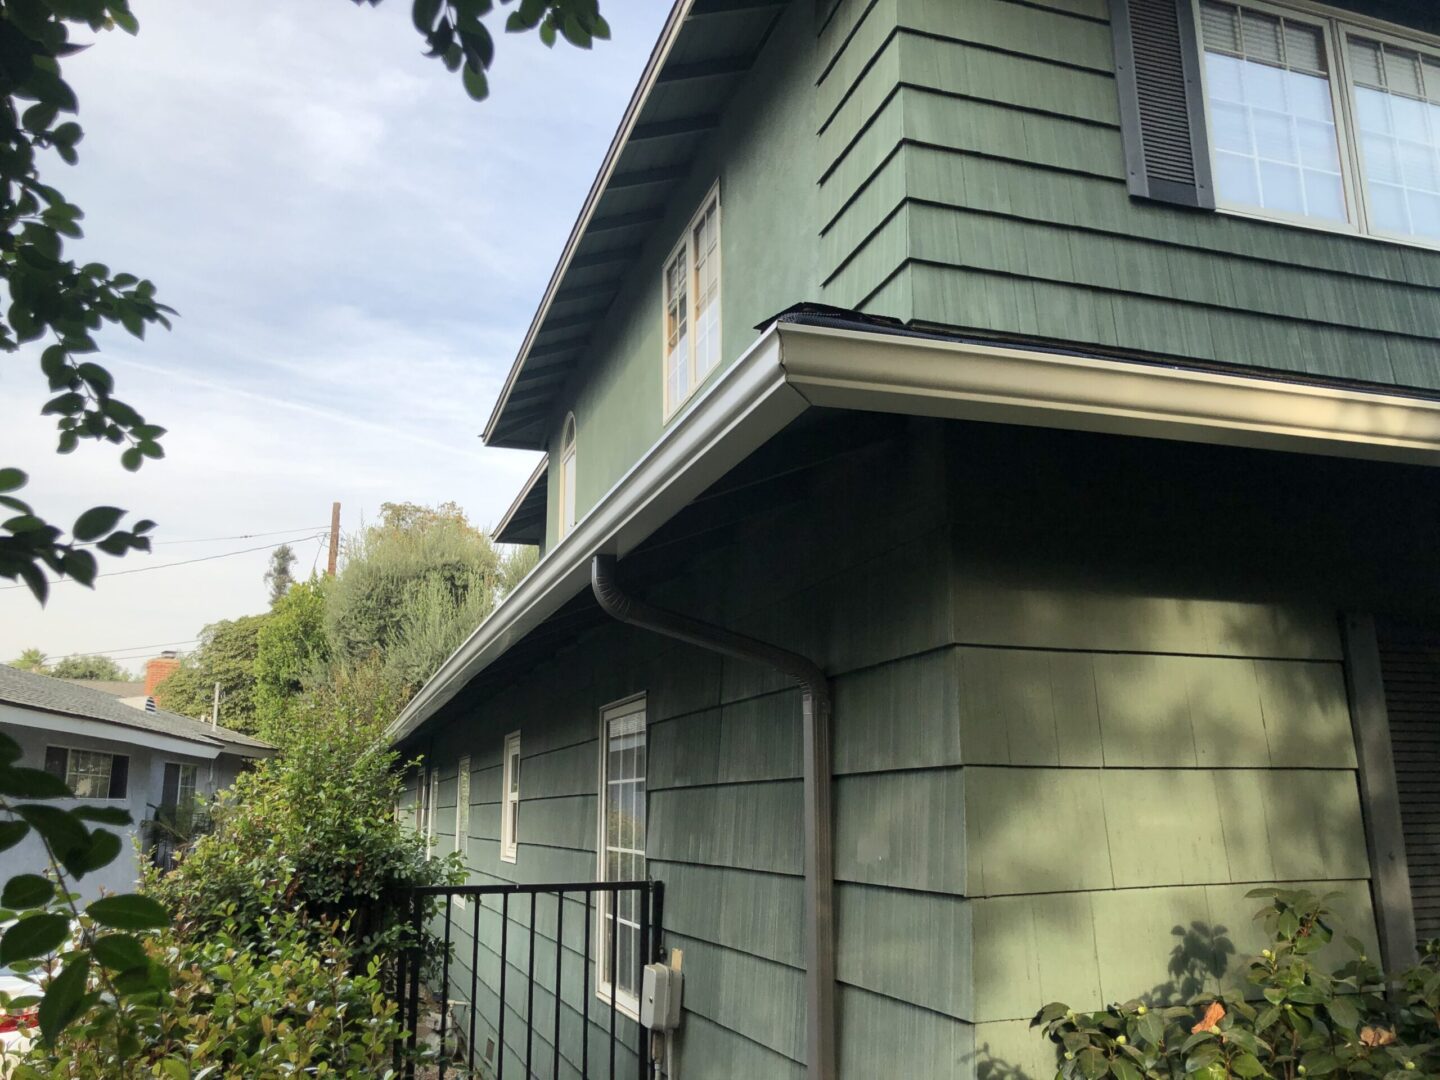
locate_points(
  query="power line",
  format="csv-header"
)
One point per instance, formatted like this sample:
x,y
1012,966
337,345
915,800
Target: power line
x,y
139,649
216,539
182,562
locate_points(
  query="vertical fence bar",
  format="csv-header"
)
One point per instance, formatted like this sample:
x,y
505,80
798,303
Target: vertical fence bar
x,y
416,929
585,997
530,998
643,952
612,911
445,988
504,940
474,984
559,958
399,968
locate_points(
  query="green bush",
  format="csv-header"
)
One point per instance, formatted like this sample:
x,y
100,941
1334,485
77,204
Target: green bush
x,y
276,998
314,826
1295,1021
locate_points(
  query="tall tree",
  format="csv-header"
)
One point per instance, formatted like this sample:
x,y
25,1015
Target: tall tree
x,y
32,660
57,305
225,655
278,576
291,655
89,667
414,586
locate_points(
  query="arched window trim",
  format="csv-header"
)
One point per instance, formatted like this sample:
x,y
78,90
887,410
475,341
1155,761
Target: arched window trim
x,y
567,475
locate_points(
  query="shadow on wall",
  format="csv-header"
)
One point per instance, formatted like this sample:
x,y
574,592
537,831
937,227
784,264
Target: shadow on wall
x,y
1198,963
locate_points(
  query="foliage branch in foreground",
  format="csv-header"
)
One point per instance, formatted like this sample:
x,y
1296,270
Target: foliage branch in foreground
x,y
1294,1020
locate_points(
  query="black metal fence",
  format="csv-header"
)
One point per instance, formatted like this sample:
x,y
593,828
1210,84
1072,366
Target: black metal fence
x,y
604,925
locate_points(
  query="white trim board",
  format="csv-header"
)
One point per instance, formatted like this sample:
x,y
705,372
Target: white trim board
x,y
792,367
121,737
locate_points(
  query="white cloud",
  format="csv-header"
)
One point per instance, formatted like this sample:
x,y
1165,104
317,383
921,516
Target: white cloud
x,y
356,250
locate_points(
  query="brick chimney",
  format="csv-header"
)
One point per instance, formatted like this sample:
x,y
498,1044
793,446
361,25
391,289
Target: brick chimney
x,y
159,669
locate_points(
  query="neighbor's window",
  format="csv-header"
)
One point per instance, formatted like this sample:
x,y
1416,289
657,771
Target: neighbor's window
x,y
567,476
90,774
1313,119
178,784
510,800
692,306
622,847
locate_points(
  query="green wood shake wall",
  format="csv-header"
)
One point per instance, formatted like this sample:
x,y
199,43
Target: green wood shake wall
x,y
972,176
1088,690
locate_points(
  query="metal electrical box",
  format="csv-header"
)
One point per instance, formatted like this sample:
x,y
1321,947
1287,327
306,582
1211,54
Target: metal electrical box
x,y
660,997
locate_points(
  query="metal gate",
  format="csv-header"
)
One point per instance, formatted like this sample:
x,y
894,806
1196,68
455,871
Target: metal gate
x,y
602,907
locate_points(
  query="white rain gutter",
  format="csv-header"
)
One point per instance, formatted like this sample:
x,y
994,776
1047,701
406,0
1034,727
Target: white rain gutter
x,y
793,367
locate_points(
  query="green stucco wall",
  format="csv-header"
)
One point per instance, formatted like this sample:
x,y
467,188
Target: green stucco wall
x,y
973,177
1088,690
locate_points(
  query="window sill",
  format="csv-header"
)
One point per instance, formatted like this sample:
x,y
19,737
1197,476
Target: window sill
x,y
625,1006
1349,231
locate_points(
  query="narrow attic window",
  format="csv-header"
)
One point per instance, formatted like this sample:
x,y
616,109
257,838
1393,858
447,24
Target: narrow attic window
x,y
691,287
567,476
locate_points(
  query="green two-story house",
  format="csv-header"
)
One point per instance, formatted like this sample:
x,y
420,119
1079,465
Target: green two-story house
x,y
988,524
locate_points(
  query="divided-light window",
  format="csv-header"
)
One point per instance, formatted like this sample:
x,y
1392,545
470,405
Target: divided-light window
x,y
1318,120
510,800
90,774
691,287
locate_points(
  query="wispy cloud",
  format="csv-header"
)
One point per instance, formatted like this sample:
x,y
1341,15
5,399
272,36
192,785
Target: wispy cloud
x,y
355,249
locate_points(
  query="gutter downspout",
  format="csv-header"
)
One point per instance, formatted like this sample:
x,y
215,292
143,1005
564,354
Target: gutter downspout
x,y
819,858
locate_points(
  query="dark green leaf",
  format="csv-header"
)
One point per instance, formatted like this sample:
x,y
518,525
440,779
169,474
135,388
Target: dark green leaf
x,y
105,815
27,891
38,935
96,522
64,998
104,846
129,911
119,952
61,829
12,479
22,783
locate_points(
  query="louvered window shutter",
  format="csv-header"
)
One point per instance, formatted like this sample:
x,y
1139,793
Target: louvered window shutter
x,y
1162,112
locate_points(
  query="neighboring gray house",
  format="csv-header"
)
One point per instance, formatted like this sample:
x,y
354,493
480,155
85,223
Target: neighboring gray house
x,y
112,753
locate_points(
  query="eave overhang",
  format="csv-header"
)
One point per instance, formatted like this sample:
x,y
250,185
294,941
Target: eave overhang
x,y
524,522
705,48
793,367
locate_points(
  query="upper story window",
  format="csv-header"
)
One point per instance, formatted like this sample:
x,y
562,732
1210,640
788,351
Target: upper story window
x,y
691,285
567,476
1318,120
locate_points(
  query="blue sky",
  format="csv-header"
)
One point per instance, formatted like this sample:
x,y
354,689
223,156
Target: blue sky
x,y
355,249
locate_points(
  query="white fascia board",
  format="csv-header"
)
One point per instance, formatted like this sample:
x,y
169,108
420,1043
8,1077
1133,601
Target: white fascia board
x,y
61,724
743,407
846,369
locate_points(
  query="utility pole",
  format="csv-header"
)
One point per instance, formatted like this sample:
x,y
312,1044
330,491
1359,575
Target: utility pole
x,y
334,538
215,708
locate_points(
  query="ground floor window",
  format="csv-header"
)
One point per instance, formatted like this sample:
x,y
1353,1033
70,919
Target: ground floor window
x,y
621,846
90,774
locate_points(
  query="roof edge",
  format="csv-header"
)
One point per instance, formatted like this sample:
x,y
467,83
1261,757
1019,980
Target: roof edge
x,y
542,469
742,408
668,34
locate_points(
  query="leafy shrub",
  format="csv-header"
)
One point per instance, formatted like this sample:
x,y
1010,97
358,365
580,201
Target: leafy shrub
x,y
1296,1021
291,653
314,827
276,998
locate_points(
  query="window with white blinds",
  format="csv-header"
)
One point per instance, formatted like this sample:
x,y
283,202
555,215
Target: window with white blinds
x,y
1317,120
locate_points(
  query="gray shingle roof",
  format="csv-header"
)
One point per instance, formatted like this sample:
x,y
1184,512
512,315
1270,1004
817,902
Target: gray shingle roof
x,y
28,690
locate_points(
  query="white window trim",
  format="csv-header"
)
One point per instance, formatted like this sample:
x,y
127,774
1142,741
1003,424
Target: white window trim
x,y
123,800
462,814
432,785
686,243
182,765
565,487
1334,23
510,833
626,1004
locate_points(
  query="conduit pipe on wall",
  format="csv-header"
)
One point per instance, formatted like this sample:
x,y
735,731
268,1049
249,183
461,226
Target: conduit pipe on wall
x,y
815,719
